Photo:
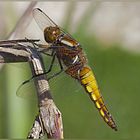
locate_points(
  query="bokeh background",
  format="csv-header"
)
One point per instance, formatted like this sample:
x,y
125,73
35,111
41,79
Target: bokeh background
x,y
110,35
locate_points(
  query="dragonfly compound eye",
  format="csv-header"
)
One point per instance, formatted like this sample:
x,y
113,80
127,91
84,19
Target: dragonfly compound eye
x,y
51,34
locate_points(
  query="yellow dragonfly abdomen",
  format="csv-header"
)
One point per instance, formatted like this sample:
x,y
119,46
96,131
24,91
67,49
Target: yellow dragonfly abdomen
x,y
88,80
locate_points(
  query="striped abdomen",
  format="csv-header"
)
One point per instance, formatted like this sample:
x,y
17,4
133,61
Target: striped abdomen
x,y
88,80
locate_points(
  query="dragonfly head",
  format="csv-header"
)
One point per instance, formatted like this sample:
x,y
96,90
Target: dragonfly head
x,y
51,33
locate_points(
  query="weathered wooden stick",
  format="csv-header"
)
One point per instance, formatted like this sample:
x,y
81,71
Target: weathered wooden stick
x,y
37,130
13,53
49,113
49,119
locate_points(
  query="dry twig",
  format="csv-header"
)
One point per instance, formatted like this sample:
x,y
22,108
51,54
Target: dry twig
x,y
49,120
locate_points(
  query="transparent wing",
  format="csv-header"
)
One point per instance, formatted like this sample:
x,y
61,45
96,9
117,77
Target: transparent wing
x,y
27,90
42,19
70,85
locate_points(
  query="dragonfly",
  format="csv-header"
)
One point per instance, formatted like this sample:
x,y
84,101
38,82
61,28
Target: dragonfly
x,y
72,61
71,58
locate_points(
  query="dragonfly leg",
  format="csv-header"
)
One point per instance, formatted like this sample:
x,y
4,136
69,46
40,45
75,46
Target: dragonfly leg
x,y
49,54
25,82
61,70
44,50
49,70
52,62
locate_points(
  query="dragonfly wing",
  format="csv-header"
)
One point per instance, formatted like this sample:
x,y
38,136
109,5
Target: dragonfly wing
x,y
27,90
42,19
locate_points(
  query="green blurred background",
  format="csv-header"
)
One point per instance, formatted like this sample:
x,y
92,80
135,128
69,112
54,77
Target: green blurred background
x,y
115,65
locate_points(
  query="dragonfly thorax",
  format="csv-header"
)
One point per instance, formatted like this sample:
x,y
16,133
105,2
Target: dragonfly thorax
x,y
51,34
